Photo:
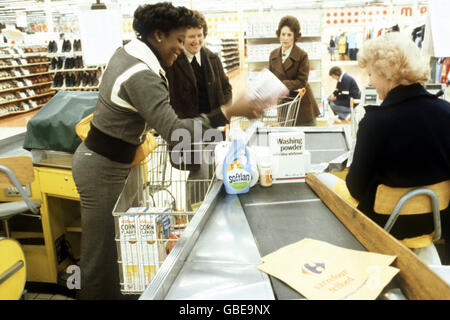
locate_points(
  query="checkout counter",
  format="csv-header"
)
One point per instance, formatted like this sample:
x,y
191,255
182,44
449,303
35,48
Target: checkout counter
x,y
51,240
219,251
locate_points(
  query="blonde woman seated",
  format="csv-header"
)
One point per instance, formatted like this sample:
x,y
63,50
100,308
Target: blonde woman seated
x,y
404,142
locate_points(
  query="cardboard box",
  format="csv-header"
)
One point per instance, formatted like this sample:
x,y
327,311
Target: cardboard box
x,y
290,160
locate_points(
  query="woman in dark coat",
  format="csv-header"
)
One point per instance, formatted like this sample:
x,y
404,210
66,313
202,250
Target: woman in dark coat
x,y
291,65
201,85
404,142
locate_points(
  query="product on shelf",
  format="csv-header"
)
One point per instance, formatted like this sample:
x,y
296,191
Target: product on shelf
x,y
67,46
52,46
77,45
7,85
4,74
26,83
7,97
83,79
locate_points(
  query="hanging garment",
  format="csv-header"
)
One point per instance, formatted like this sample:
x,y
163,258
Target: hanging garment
x,y
342,44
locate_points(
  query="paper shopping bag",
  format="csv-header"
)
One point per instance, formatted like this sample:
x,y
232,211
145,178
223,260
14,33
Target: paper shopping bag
x,y
319,270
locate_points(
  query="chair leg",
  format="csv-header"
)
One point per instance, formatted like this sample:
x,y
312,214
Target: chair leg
x,y
434,205
6,228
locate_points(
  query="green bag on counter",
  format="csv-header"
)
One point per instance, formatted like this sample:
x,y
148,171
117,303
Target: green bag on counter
x,y
53,127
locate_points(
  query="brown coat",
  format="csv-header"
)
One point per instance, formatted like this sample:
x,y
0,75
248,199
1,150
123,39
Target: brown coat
x,y
183,84
294,74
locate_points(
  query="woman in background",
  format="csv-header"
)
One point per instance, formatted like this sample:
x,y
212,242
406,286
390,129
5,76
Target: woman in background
x,y
291,65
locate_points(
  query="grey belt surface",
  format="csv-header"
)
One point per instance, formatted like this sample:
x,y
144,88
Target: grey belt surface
x,y
276,219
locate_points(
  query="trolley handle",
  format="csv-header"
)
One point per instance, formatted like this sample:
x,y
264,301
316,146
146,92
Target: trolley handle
x,y
11,271
301,92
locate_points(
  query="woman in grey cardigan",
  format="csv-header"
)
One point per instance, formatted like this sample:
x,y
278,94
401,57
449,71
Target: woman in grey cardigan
x,y
133,97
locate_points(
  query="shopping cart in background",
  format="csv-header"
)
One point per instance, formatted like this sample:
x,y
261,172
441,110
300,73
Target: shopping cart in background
x,y
282,115
153,210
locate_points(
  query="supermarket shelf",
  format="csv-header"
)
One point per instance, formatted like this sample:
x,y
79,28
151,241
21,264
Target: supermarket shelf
x,y
33,54
64,54
27,98
76,70
26,87
24,65
18,112
26,76
75,88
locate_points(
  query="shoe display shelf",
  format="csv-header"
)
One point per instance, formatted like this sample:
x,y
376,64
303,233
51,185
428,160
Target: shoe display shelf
x,y
66,62
85,79
24,79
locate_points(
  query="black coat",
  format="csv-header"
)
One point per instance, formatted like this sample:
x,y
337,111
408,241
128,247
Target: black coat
x,y
183,85
345,89
405,142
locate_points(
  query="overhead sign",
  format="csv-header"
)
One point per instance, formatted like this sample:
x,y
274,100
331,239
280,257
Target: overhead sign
x,y
100,33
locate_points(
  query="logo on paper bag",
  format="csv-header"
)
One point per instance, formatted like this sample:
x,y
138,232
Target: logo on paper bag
x,y
316,268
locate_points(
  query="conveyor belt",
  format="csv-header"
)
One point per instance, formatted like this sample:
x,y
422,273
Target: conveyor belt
x,y
287,213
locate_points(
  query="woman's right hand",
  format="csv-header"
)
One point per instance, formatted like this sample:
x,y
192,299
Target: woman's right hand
x,y
243,107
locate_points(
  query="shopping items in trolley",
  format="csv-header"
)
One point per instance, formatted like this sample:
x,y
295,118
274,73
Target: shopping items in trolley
x,y
153,210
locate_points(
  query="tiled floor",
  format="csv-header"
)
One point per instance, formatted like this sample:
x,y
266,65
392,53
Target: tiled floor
x,y
45,296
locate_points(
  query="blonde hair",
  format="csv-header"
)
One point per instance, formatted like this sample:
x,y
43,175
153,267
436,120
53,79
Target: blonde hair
x,y
395,57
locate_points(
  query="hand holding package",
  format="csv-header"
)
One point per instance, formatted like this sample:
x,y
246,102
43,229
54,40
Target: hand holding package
x,y
267,90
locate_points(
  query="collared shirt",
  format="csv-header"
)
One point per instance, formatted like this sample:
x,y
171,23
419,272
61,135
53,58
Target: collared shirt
x,y
190,56
285,53
155,52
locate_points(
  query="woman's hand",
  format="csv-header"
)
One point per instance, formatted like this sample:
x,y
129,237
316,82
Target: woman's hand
x,y
243,107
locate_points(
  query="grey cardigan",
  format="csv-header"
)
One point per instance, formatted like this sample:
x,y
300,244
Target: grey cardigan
x,y
134,97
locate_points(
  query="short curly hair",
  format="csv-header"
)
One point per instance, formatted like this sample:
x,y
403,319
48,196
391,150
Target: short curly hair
x,y
395,57
202,22
292,23
162,16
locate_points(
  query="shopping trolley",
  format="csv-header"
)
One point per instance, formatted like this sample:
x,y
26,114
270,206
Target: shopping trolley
x,y
281,115
153,209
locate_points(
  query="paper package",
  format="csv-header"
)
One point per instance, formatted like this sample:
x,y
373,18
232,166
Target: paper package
x,y
143,245
290,160
319,270
267,89
132,277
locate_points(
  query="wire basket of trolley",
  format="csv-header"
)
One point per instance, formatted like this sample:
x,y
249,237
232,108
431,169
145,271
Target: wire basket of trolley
x,y
283,114
157,202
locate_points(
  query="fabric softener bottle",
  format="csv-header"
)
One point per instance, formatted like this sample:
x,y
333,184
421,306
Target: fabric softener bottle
x,y
237,171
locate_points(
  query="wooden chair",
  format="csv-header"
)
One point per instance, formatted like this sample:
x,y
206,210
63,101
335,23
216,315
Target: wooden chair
x,y
15,172
407,201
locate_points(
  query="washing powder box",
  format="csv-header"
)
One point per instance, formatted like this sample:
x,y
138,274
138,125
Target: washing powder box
x,y
290,160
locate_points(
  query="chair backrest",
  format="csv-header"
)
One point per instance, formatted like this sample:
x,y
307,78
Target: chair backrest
x,y
21,166
386,199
